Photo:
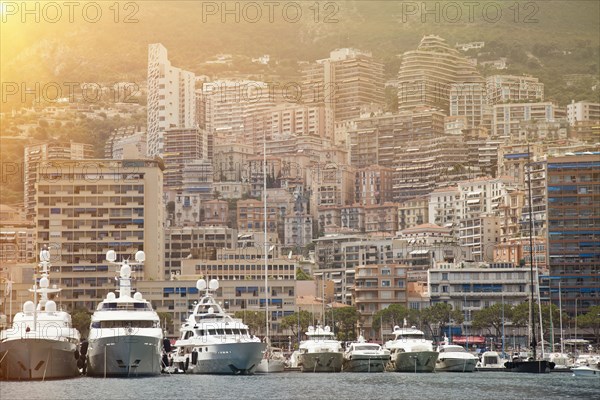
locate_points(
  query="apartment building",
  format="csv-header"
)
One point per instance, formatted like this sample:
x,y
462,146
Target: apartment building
x,y
471,287
513,89
41,154
171,98
85,208
426,74
373,185
350,82
573,192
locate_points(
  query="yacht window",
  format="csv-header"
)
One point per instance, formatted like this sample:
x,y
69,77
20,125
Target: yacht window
x,y
188,334
212,332
220,332
229,331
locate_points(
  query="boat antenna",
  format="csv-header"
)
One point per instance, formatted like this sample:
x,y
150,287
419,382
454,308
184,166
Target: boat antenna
x,y
531,317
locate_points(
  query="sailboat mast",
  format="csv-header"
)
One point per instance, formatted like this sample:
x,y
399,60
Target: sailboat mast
x,y
531,318
266,242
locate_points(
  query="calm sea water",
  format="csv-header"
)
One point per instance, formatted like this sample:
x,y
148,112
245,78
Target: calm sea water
x,y
296,385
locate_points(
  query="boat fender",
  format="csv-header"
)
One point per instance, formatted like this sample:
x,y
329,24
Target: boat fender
x,y
187,363
76,354
194,357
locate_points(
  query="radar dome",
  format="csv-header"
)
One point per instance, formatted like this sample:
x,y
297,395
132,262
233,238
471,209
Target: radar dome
x,y
214,284
211,310
125,271
28,307
327,329
110,296
44,283
140,256
50,306
201,284
111,256
396,328
137,296
44,255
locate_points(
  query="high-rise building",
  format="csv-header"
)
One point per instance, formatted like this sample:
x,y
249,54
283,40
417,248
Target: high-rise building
x,y
513,89
373,185
583,111
507,118
574,229
40,153
469,100
229,105
427,73
86,208
171,98
181,146
350,82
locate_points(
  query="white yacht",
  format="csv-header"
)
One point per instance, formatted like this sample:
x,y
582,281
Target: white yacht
x,y
125,336
361,356
212,342
454,358
273,361
491,361
321,352
588,371
41,344
410,351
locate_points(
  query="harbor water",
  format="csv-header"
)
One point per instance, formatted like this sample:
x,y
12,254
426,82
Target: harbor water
x,y
297,385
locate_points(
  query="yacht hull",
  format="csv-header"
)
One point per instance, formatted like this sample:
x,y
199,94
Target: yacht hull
x,y
366,364
321,362
225,358
269,366
532,367
455,365
416,361
32,359
586,371
124,356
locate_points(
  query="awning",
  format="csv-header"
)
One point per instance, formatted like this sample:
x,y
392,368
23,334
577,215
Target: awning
x,y
337,281
419,252
470,339
474,201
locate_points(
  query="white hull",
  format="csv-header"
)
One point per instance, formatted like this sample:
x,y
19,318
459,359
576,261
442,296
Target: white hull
x,y
132,355
416,361
223,358
366,364
29,359
321,362
269,366
586,371
455,365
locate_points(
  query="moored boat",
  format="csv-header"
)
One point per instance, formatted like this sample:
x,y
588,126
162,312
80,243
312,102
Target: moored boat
x,y
42,343
321,352
410,351
361,356
125,338
454,358
273,361
212,342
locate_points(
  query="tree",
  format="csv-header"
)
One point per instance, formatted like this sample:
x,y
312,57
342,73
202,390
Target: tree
x,y
391,316
301,275
255,320
520,314
81,318
441,314
490,318
591,320
166,321
345,319
291,322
